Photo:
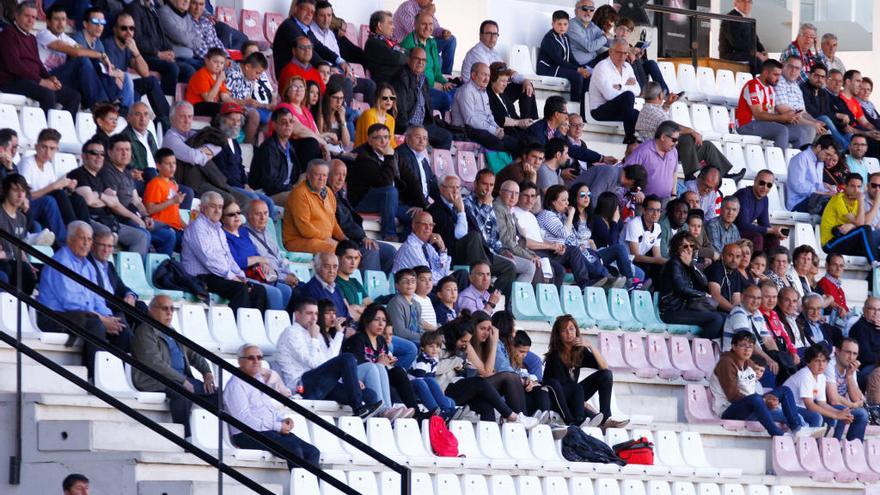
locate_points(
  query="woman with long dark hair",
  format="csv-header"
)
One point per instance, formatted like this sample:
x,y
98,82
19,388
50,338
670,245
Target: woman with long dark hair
x,y
605,222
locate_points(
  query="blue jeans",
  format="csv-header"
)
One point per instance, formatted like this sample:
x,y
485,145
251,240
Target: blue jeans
x,y
291,442
842,140
446,47
441,100
386,201
856,428
618,254
252,195
277,294
79,74
336,380
45,211
375,378
126,96
380,260
163,239
404,350
752,407
429,392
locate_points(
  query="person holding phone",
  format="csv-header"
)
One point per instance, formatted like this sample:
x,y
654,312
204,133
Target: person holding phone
x,y
753,220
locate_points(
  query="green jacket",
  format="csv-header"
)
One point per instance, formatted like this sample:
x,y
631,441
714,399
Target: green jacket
x,y
433,71
138,151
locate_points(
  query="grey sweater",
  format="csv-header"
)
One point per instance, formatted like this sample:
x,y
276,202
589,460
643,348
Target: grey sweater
x,y
181,32
400,313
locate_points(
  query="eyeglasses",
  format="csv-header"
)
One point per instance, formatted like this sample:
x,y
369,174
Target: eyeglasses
x,y
97,21
584,194
125,28
103,245
687,246
252,358
94,152
489,33
508,191
763,183
233,214
587,8
303,47
389,98
673,139
875,186
164,308
652,210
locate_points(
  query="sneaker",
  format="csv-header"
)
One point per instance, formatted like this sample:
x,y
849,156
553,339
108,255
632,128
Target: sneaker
x,y
407,412
559,431
594,421
368,410
618,282
808,431
614,423
392,413
528,422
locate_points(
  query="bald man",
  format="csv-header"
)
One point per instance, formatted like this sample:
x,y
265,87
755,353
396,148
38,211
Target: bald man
x,y
423,248
470,109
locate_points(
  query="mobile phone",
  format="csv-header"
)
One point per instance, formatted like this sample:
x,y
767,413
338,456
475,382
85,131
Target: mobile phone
x,y
785,231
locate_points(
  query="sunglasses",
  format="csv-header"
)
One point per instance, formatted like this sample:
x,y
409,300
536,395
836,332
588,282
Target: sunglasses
x,y
94,153
98,22
875,186
584,194
389,98
673,139
126,28
233,214
763,183
587,8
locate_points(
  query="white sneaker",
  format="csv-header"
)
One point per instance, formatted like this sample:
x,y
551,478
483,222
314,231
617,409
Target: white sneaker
x,y
45,238
528,422
594,421
808,431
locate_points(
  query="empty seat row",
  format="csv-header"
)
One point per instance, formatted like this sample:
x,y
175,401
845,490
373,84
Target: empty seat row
x,y
704,84
827,458
714,123
388,483
221,330
650,356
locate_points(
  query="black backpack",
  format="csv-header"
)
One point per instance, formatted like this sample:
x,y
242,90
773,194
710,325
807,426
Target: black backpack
x,y
169,275
577,446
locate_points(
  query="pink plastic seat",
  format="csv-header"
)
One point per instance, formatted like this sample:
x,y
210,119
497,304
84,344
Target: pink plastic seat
x,y
683,360
466,146
704,355
785,461
658,357
609,347
808,454
832,457
226,15
351,32
271,22
357,70
466,165
634,354
697,408
365,33
872,453
252,25
854,457
442,163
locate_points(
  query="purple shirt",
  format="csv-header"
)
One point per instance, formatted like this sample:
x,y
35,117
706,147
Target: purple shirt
x,y
661,169
471,299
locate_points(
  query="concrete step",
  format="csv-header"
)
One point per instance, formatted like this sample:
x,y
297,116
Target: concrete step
x,y
88,435
189,487
54,407
61,354
39,379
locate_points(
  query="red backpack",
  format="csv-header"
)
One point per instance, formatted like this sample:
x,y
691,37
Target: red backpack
x,y
636,451
443,442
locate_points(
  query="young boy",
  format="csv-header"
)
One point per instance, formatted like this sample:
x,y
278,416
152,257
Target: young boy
x,y
445,299
424,284
524,358
162,197
425,386
207,89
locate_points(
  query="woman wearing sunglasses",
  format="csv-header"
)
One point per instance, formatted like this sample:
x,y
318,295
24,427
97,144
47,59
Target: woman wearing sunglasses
x,y
382,112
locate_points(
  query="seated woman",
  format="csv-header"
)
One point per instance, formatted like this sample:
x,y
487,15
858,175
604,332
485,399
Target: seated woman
x,y
503,110
382,112
684,290
804,276
256,267
377,366
106,116
780,262
565,357
537,399
332,122
605,222
747,247
459,381
308,144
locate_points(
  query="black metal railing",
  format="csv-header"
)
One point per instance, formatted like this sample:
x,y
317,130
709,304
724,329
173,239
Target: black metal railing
x,y
217,408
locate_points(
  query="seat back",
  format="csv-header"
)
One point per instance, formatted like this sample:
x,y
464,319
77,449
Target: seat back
x,y
63,164
872,164
409,438
781,490
225,15
548,300
774,199
380,435
519,58
467,442
704,354
808,454
632,487
620,307
376,284
555,485
474,484
441,162
757,490
610,348
329,443
726,83
701,119
524,304
62,121
447,484
754,160
276,321
194,325
720,119
541,443
643,307
573,302
706,81
732,489
832,458
466,165
805,234
302,481
597,304
775,159
252,25
692,449
742,78
683,488
680,114
697,408
854,456
528,485
579,485
501,484
607,486
326,489
667,70
658,352
32,120
251,328
353,34
363,481
221,321
708,489
634,350
9,306
354,426
271,22
489,440
131,272
9,118
734,153
667,448
85,126
687,78
516,442
680,354
110,375
872,453
728,187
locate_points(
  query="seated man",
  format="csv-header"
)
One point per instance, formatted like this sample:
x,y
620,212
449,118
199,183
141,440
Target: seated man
x,y
788,310
323,283
451,222
673,222
414,102
404,21
855,157
555,157
613,89
104,206
706,188
84,308
300,65
831,286
476,296
258,411
210,29
753,220
275,168
747,316
206,256
790,100
524,168
163,197
382,55
842,389
230,160
843,229
519,88
108,278
352,289
812,326
21,68
371,182
589,158
821,102
552,125
860,124
806,189
302,358
481,217
642,235
321,31
556,59
181,32
167,357
756,112
423,248
421,36
866,332
266,242
470,109
418,184
725,282
144,148
14,189
404,312
722,230
659,157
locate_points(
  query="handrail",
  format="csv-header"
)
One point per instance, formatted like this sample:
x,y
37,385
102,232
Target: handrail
x,y
221,363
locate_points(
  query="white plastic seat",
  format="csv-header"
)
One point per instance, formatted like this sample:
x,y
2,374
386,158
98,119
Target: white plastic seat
x,y
680,114
354,426
252,330
143,397
657,487
63,164
517,446
873,165
732,489
489,440
804,234
447,484
62,121
702,122
332,451
9,119
667,70
32,120
303,482
380,436
775,160
683,488
617,413
203,426
695,456
727,88
275,322
667,452
85,126
467,445
9,322
194,326
727,187
607,486
580,486
708,86
411,445
110,377
363,481
708,489
326,488
543,448
687,82
741,79
528,485
721,123
734,153
780,490
221,321
632,487
501,484
519,58
757,490
555,485
754,160
474,484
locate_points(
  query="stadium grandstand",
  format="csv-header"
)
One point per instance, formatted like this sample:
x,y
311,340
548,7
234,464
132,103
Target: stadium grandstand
x,y
316,247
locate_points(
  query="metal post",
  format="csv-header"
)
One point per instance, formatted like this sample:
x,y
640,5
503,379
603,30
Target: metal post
x,y
693,26
219,427
15,460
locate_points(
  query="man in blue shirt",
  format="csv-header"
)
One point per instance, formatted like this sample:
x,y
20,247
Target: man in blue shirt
x,y
323,284
807,193
86,309
753,221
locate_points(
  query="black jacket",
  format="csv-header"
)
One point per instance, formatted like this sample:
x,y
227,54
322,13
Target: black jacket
x,y
149,35
818,103
230,162
382,60
444,223
868,337
406,86
269,168
500,111
410,183
369,171
537,132
554,53
680,283
285,39
832,335
735,40
349,221
120,290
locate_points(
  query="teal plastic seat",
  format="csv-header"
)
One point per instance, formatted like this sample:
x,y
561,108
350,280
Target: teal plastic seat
x,y
153,262
302,271
357,276
392,287
130,267
643,310
376,284
573,304
456,268
548,302
674,328
47,250
597,309
621,311
876,284
524,303
184,216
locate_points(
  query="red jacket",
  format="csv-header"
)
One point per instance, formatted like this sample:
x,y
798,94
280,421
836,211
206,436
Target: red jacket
x,y
829,288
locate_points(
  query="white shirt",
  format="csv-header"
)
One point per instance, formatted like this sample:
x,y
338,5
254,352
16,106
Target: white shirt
x,y
36,178
527,224
327,38
806,386
421,157
144,140
482,53
428,314
52,58
297,352
605,77
634,231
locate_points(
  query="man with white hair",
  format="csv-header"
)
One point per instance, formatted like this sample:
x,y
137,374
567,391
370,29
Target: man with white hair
x,y
802,47
470,109
323,284
613,89
84,308
828,53
205,255
181,130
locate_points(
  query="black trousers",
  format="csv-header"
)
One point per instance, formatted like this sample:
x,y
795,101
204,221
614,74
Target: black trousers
x,y
240,295
28,277
569,401
93,326
480,396
528,107
401,388
572,259
68,98
180,406
622,107
510,386
486,139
